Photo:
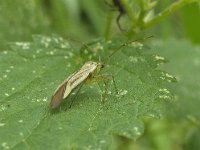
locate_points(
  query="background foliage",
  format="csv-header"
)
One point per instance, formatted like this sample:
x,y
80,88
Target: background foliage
x,y
38,50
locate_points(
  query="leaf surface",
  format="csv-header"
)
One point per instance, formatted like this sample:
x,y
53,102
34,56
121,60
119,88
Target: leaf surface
x,y
30,72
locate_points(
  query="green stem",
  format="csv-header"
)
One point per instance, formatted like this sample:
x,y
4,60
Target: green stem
x,y
168,11
107,32
130,11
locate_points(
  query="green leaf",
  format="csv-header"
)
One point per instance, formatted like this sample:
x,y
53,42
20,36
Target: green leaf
x,y
181,127
184,64
20,19
30,72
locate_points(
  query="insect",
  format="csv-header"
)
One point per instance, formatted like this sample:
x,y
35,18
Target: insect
x,y
120,8
87,71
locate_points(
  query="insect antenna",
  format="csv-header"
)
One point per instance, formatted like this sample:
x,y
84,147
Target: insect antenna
x,y
87,46
127,43
78,41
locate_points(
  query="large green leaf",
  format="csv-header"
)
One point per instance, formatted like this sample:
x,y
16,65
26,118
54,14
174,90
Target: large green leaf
x,y
30,72
184,63
181,126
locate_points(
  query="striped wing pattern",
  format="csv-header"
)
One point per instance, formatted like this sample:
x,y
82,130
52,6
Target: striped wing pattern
x,y
73,81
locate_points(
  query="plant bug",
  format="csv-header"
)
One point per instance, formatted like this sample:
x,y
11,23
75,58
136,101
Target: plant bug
x,y
88,71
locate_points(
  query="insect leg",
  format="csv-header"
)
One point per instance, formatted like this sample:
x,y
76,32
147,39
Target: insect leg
x,y
113,79
79,88
118,23
110,5
104,78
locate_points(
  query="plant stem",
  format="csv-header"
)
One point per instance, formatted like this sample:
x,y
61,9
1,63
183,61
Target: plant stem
x,y
107,32
168,11
129,11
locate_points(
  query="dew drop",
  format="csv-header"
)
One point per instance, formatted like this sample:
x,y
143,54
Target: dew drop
x,y
20,121
137,45
33,56
121,93
48,39
65,45
85,51
69,65
38,51
24,45
71,54
133,59
5,76
5,145
136,128
51,53
2,108
138,133
7,70
109,41
21,133
66,57
2,124
6,94
162,78
60,128
164,90
44,99
126,134
157,57
169,76
164,97
11,67
102,141
45,42
5,52
151,115
99,46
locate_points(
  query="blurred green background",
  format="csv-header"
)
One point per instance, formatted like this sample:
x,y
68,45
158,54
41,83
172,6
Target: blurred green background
x,y
85,20
88,19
